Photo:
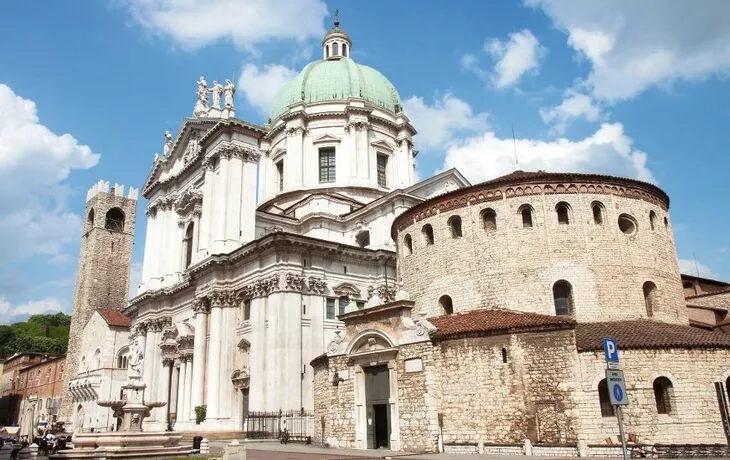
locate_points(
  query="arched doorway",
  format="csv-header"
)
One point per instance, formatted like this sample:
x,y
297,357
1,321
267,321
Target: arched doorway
x,y
376,391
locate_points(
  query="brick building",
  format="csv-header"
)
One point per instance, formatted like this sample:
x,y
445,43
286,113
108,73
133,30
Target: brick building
x,y
14,381
40,387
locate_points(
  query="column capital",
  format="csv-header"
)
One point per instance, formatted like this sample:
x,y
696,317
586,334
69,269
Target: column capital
x,y
201,305
223,298
168,362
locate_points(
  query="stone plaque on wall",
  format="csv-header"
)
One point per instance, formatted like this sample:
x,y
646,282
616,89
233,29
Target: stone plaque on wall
x,y
414,365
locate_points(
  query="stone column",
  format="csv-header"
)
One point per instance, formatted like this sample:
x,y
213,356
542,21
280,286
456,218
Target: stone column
x,y
149,343
181,414
201,309
196,236
164,393
189,408
162,238
147,268
175,387
233,198
221,206
206,211
247,219
218,301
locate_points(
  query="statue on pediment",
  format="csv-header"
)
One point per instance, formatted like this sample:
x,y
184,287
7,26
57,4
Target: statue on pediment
x,y
216,90
201,105
229,90
168,143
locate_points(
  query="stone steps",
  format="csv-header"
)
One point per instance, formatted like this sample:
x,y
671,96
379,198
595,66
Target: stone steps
x,y
187,436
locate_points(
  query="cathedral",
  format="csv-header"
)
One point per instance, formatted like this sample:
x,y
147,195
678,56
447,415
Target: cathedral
x,y
299,266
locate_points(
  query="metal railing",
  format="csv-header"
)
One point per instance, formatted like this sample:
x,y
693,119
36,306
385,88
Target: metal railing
x,y
299,425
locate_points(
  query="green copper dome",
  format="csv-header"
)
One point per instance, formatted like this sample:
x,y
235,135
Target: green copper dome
x,y
336,79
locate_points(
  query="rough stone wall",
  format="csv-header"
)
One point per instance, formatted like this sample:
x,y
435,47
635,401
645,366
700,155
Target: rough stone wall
x,y
529,397
695,417
417,403
720,300
335,403
103,275
515,267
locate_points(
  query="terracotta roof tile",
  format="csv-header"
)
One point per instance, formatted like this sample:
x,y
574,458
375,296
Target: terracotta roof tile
x,y
114,317
723,290
496,321
647,334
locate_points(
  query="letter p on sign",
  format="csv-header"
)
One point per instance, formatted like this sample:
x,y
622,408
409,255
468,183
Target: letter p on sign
x,y
610,350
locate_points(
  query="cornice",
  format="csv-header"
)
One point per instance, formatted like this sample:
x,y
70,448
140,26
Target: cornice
x,y
527,184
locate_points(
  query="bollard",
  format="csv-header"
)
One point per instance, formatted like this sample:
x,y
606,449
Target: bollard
x,y
527,447
204,446
583,450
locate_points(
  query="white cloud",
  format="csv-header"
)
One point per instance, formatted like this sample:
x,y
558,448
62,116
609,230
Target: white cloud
x,y
694,268
260,85
196,23
440,123
632,46
522,53
575,105
34,162
34,307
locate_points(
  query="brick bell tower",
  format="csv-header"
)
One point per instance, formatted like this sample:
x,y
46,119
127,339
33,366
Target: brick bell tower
x,y
102,280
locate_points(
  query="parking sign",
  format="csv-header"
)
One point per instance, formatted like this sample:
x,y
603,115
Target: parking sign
x,y
610,351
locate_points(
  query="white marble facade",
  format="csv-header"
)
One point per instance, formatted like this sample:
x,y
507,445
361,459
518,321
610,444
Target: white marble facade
x,y
250,256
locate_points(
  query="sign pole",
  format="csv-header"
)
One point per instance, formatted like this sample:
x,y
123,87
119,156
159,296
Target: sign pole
x,y
620,416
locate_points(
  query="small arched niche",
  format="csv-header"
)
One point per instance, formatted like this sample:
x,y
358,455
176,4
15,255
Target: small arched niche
x,y
446,305
408,245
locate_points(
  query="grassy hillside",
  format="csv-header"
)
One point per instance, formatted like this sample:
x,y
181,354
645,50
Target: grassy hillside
x,y
40,334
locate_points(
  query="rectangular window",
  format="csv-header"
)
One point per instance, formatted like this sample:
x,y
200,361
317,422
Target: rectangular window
x,y
382,168
344,302
327,165
246,310
280,173
330,308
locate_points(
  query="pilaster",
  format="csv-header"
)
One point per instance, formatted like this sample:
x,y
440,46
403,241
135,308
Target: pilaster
x,y
207,210
201,308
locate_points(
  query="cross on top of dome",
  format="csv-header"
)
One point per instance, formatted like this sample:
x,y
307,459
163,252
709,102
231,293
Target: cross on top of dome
x,y
336,44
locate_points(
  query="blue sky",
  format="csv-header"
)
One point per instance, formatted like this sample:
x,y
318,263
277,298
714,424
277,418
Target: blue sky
x,y
87,89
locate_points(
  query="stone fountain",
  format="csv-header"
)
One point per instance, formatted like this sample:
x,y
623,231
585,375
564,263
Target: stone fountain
x,y
130,441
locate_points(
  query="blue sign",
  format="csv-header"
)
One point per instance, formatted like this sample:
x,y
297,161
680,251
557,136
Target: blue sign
x,y
618,394
610,350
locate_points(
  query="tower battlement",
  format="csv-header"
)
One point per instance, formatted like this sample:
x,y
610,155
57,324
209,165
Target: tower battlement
x,y
117,190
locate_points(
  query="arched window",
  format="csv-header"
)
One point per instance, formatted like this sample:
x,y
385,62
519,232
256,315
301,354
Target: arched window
x,y
327,51
123,358
597,209
96,361
427,231
604,400
114,220
447,306
663,395
188,244
489,219
562,209
90,218
344,49
335,49
526,213
652,220
454,224
408,242
666,222
649,289
363,238
563,298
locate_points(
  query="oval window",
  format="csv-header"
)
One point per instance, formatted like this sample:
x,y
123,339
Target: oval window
x,y
627,224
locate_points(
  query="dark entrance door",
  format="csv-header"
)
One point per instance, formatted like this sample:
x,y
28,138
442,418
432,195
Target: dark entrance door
x,y
377,395
244,398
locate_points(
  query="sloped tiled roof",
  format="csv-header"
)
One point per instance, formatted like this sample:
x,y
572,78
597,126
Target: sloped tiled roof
x,y
115,318
647,334
491,322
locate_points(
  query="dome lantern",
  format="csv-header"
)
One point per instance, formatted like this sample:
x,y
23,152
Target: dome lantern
x,y
336,44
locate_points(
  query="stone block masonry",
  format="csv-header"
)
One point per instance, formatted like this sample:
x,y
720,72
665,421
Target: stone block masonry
x,y
105,260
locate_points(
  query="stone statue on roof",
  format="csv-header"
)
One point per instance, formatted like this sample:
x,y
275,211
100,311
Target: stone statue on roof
x,y
229,91
168,143
201,104
216,90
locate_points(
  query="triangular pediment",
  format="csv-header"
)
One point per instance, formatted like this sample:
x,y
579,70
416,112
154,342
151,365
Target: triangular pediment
x,y
346,289
383,145
326,138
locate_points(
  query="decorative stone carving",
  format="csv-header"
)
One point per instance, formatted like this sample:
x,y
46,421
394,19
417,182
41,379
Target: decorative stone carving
x,y
358,125
223,298
216,90
295,282
334,344
201,305
192,150
201,104
247,153
185,345
240,378
385,293
187,201
317,285
228,91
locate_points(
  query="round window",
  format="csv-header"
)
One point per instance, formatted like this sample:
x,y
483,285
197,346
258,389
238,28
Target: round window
x,y
627,224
